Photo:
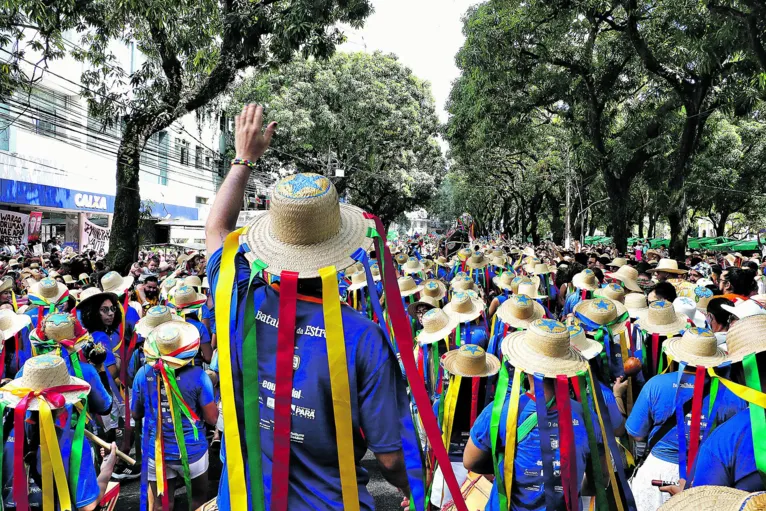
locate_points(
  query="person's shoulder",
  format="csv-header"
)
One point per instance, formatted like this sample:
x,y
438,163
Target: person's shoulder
x,y
735,426
140,377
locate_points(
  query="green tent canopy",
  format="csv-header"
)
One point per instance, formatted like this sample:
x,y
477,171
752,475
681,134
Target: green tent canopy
x,y
745,246
659,242
723,246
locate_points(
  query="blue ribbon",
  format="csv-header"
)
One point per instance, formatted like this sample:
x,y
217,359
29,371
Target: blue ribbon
x,y
549,483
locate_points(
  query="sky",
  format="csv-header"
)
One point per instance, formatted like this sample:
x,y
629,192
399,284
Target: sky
x,y
424,34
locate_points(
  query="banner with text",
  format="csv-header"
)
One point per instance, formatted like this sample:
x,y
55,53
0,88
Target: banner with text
x,y
94,237
13,228
35,226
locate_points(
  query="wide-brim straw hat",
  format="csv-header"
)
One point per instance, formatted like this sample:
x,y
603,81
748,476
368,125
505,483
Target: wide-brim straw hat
x,y
412,265
408,287
586,279
504,281
94,294
715,498
6,284
465,283
12,323
588,348
193,281
628,276
531,290
662,319
186,296
464,253
618,262
115,283
170,337
40,373
636,304
519,311
696,347
433,288
541,269
544,348
306,228
68,279
477,261
431,303
470,361
437,325
668,266
443,261
154,317
746,336
603,311
49,289
463,308
358,281
614,292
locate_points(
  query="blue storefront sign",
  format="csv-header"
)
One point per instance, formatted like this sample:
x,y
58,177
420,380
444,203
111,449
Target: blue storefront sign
x,y
33,194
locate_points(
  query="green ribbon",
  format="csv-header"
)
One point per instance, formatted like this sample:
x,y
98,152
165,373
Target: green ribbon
x,y
494,426
179,432
78,440
757,417
594,464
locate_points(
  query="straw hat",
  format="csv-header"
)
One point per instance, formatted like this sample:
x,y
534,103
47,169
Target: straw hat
x,y
49,289
663,319
618,262
458,276
169,283
464,253
412,266
6,284
628,276
696,347
541,269
358,281
170,337
430,303
59,327
436,326
407,286
13,263
40,373
401,258
544,348
92,294
530,289
668,266
586,279
603,311
588,348
715,498
434,289
68,279
12,323
463,308
182,259
477,261
688,307
636,304
154,317
517,281
528,251
113,282
306,228
186,296
470,361
83,277
518,311
193,281
375,270
463,284
443,261
746,336
504,281
614,292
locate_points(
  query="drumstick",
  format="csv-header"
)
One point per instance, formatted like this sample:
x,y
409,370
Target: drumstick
x,y
93,438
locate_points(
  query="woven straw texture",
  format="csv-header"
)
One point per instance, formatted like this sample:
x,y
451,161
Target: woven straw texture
x,y
113,282
154,317
463,308
661,318
628,276
746,336
436,326
407,286
614,292
519,311
696,347
40,373
434,289
714,498
586,279
470,361
12,323
544,348
603,311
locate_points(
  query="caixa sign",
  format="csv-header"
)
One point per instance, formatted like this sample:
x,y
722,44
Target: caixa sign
x,y
88,201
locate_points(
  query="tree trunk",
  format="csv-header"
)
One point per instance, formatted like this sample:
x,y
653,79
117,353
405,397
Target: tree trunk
x,y
557,223
123,240
652,225
618,189
641,225
720,228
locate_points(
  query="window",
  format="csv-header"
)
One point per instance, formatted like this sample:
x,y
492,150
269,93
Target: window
x,y
164,144
5,122
44,112
197,157
201,201
207,162
182,149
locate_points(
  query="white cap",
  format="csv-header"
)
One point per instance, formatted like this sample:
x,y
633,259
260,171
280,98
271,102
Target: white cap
x,y
744,309
688,307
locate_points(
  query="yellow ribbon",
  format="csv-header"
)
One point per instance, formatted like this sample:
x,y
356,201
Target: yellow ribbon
x,y
610,468
511,423
52,462
235,466
450,403
746,393
341,394
159,463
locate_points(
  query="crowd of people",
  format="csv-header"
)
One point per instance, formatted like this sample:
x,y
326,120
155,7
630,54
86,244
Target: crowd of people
x,y
500,376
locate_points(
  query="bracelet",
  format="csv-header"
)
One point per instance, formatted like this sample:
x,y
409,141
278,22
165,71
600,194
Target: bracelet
x,y
247,163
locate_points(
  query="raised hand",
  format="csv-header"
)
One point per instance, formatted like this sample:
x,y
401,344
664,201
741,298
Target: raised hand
x,y
250,141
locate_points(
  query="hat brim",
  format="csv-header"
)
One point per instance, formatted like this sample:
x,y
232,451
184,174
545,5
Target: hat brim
x,y
501,285
674,328
413,271
675,351
579,283
13,400
102,295
412,308
410,292
189,334
714,498
638,313
523,357
124,286
590,348
449,363
18,323
357,286
464,317
503,312
628,283
144,329
199,298
307,260
424,337
36,290
668,270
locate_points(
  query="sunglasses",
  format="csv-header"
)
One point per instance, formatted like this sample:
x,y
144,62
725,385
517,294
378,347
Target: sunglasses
x,y
107,310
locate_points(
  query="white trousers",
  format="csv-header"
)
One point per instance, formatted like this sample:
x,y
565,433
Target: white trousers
x,y
648,497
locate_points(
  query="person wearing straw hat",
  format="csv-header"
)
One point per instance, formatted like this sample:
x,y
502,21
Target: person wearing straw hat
x,y
605,321
45,297
636,304
660,322
305,237
516,313
715,498
544,354
14,332
6,291
614,292
461,405
468,312
667,269
169,382
585,283
732,455
113,282
188,303
45,393
660,402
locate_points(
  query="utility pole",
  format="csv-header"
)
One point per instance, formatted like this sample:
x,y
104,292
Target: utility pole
x,y
568,231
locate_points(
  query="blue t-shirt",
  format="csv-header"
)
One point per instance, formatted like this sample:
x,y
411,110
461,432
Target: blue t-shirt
x,y
108,342
196,390
528,482
373,382
478,335
208,313
87,484
726,457
136,362
656,403
204,336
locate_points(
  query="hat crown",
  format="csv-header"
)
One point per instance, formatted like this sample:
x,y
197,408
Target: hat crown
x,y
406,283
185,295
304,209
506,278
435,320
461,303
589,277
746,336
358,278
521,306
158,315
49,288
6,320
463,283
477,257
59,327
602,311
548,337
45,372
170,283
699,342
667,264
412,263
635,301
541,268
661,312
168,337
431,288
193,281
527,288
471,359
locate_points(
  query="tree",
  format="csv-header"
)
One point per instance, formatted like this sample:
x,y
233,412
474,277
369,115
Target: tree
x,y
365,115
194,50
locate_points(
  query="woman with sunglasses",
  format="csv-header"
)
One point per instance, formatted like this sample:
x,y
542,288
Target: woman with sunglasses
x,y
100,314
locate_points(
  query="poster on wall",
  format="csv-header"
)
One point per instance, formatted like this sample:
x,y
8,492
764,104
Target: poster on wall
x,y
94,237
13,228
35,226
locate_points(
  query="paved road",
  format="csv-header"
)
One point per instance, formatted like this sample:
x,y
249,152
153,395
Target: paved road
x,y
386,497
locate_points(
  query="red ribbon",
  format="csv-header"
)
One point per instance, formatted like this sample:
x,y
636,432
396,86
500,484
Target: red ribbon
x,y
567,444
584,294
283,392
694,430
655,352
403,334
475,384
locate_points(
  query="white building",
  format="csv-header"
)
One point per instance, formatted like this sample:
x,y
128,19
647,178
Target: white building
x,y
56,159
